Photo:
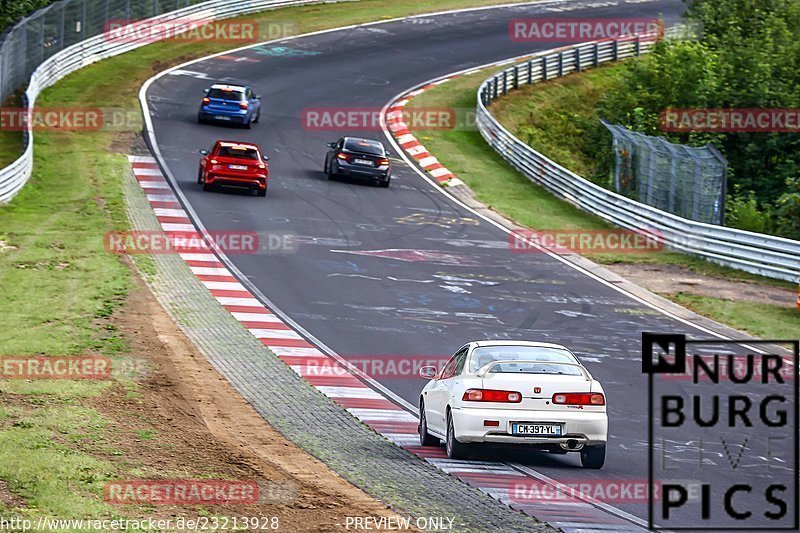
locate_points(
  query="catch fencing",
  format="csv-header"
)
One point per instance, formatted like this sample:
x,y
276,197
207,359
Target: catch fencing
x,y
770,256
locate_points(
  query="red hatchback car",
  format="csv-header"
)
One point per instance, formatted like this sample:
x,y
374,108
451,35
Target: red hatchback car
x,y
234,164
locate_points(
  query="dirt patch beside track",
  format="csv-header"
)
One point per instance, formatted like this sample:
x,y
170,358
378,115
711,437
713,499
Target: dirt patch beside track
x,y
203,428
672,279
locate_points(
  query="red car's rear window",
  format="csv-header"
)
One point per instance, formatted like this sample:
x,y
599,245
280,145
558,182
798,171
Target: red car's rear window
x,y
240,153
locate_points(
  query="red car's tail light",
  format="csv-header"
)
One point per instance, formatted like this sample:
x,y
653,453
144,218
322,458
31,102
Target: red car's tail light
x,y
491,395
213,161
206,101
243,105
579,398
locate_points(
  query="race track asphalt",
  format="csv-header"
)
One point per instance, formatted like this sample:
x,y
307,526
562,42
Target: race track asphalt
x,y
393,273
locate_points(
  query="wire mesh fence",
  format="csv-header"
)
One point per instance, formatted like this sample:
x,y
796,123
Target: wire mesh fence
x,y
48,31
682,180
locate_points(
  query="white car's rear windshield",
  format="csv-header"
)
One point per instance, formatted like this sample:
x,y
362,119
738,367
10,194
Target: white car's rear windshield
x,y
532,367
487,354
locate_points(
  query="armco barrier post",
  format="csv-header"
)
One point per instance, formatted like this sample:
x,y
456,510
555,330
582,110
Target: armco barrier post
x,y
596,54
530,72
577,51
561,64
544,68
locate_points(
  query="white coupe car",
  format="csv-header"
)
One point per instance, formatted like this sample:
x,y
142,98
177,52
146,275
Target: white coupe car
x,y
514,392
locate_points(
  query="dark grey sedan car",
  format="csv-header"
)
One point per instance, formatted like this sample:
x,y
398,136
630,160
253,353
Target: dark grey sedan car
x,y
359,158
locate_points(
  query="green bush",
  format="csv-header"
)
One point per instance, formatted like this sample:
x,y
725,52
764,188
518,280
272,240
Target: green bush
x,y
788,210
742,211
748,57
13,10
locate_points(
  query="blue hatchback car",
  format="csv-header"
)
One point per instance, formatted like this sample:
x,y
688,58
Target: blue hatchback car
x,y
231,104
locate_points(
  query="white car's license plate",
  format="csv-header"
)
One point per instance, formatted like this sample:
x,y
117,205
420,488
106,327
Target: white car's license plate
x,y
238,167
363,162
222,117
541,430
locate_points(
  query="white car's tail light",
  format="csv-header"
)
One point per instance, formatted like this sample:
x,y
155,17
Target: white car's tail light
x,y
579,398
491,395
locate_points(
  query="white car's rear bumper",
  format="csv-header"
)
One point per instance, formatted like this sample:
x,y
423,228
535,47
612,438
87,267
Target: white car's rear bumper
x,y
585,427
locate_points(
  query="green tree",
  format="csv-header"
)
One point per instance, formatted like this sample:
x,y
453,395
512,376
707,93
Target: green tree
x,y
748,57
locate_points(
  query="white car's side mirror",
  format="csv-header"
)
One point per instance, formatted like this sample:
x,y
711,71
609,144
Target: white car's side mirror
x,y
427,372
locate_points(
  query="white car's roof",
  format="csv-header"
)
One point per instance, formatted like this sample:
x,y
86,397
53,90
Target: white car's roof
x,y
532,344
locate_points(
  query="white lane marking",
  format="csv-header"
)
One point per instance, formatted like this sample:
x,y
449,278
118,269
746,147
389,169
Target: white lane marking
x,y
350,392
403,439
274,334
198,257
224,285
439,172
148,172
428,161
166,212
152,197
382,415
182,228
241,302
153,184
256,317
210,271
290,351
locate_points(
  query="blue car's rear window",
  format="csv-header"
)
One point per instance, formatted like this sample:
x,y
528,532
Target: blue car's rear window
x,y
226,95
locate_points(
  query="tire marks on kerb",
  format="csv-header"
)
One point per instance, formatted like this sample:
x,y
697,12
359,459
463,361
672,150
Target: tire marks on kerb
x,y
338,382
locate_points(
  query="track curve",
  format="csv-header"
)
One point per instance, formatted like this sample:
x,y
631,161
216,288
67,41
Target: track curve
x,y
348,285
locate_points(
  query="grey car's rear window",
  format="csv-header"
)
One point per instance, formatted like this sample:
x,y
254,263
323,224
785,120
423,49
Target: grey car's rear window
x,y
367,147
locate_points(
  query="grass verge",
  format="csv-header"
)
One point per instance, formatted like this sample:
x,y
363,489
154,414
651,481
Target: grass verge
x,y
499,186
61,290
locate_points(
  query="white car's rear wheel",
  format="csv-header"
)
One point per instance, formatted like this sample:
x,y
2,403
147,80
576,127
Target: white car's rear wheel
x,y
425,438
593,456
455,449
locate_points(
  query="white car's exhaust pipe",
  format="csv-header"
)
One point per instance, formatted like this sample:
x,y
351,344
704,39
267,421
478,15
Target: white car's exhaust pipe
x,y
572,445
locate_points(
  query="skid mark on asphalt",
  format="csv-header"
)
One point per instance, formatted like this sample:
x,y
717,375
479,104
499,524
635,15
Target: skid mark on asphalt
x,y
345,384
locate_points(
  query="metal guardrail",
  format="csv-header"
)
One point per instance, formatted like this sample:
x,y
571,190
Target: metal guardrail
x,y
770,256
16,53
